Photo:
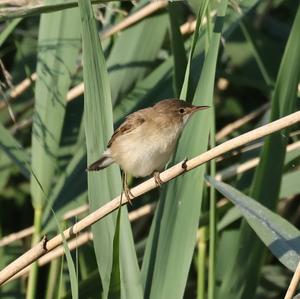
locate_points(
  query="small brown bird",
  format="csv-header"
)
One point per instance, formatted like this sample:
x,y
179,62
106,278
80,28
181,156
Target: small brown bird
x,y
144,143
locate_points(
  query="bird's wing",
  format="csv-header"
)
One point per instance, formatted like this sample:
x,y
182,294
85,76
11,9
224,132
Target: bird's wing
x,y
132,121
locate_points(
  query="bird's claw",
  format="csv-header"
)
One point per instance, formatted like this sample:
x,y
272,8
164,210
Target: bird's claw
x,y
128,194
157,179
126,190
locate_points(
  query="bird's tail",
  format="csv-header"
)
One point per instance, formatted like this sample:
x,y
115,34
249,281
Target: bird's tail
x,y
104,161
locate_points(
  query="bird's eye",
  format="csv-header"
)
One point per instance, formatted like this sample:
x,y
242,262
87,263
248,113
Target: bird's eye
x,y
181,110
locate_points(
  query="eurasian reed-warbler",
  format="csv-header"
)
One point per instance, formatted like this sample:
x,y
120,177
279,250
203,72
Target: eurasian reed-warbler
x,y
143,144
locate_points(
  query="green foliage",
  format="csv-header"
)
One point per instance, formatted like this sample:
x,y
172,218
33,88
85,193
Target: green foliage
x,y
250,45
178,49
115,281
107,184
177,215
11,147
277,233
266,183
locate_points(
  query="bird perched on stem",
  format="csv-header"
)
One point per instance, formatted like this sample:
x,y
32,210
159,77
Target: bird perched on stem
x,y
145,141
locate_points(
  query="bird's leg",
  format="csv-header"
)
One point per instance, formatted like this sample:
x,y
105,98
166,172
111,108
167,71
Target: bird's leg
x,y
126,189
123,180
157,179
183,164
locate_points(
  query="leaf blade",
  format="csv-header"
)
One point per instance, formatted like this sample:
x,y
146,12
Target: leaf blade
x,y
176,218
107,183
280,236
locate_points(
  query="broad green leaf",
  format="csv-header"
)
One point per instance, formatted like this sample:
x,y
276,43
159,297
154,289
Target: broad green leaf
x,y
106,184
58,51
266,183
280,236
127,65
8,30
289,187
176,219
13,149
290,184
54,277
114,291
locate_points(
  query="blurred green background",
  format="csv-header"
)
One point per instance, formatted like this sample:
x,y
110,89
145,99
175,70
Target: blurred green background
x,y
185,240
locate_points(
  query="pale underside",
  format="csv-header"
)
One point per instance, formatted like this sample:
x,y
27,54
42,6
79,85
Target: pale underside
x,y
145,149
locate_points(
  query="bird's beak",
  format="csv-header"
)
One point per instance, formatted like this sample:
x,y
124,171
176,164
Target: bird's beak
x,y
197,108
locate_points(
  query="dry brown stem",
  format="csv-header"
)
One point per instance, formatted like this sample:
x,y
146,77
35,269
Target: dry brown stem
x,y
134,18
43,247
188,27
75,212
240,122
19,89
29,230
16,2
82,239
293,284
57,252
240,168
134,215
16,236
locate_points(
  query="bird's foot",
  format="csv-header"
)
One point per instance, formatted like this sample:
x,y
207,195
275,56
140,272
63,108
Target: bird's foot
x,y
183,164
128,194
126,189
157,179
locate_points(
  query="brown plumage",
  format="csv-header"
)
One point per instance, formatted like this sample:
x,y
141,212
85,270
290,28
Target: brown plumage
x,y
145,141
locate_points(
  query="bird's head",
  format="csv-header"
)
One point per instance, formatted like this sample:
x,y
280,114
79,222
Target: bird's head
x,y
177,110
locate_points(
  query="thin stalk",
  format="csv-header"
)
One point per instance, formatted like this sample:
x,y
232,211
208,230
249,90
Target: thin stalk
x,y
32,281
61,290
56,274
201,262
212,219
76,254
256,54
54,279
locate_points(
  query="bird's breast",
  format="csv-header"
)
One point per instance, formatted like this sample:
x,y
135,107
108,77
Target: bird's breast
x,y
145,149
